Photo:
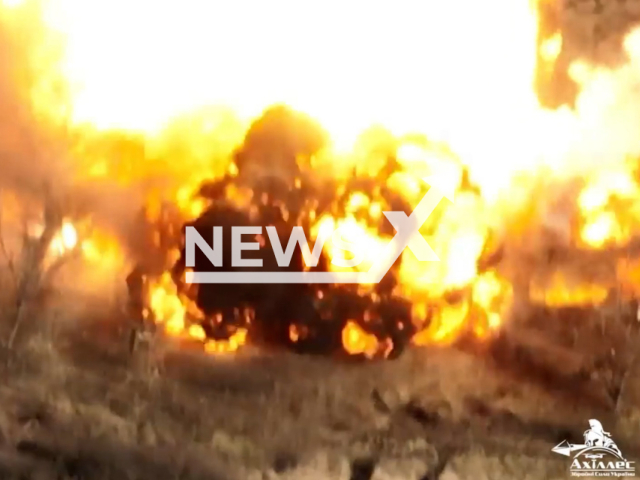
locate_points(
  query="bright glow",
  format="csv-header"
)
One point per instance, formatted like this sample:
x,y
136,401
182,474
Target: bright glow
x,y
411,66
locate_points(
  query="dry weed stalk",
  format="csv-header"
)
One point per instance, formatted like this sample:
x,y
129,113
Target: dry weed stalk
x,y
147,349
146,342
630,372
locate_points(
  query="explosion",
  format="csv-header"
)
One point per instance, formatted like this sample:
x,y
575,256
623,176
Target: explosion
x,y
325,116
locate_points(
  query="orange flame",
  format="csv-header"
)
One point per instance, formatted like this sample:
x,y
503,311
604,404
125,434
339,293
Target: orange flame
x,y
140,114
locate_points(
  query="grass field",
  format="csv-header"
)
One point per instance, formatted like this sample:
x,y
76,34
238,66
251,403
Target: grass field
x,y
75,404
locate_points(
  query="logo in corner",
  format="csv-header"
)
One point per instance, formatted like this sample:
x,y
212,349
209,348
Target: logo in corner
x,y
598,456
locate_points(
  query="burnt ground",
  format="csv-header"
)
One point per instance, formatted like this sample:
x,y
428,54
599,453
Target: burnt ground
x,y
75,404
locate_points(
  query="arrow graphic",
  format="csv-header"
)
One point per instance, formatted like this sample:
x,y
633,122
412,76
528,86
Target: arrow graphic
x,y
565,448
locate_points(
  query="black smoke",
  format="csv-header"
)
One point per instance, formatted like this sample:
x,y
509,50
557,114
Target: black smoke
x,y
274,162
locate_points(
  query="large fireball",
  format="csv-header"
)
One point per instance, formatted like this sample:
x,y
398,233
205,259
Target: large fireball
x,y
171,105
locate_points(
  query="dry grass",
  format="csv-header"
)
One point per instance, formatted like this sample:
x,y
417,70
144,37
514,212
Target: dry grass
x,y
74,406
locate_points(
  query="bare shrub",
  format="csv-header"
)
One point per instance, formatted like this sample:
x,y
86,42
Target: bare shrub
x,y
29,266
